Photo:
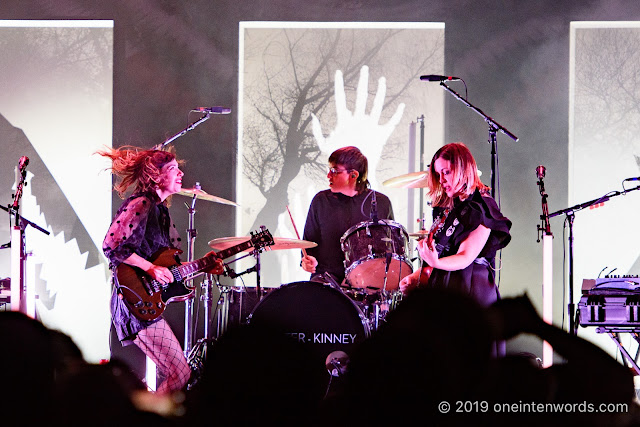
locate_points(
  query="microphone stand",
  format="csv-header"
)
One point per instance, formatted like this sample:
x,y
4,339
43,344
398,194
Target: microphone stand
x,y
189,324
421,210
570,216
547,266
192,126
18,246
374,207
494,127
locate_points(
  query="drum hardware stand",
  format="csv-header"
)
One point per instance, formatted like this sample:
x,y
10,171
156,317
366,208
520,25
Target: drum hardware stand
x,y
232,274
570,216
189,326
222,311
385,297
328,277
379,312
198,353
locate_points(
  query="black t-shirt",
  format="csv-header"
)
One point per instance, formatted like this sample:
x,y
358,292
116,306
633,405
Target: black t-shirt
x,y
330,216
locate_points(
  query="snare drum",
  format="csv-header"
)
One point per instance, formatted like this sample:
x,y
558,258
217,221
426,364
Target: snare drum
x,y
374,251
314,313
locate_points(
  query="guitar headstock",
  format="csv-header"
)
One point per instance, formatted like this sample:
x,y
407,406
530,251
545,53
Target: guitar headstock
x,y
261,238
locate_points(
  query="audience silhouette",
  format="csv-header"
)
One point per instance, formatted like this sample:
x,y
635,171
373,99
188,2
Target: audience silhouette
x,y
46,380
430,362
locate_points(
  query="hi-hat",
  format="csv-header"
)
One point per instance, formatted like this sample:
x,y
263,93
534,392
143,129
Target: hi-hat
x,y
201,194
279,243
409,180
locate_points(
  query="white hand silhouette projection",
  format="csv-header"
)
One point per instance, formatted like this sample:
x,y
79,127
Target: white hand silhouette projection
x,y
358,128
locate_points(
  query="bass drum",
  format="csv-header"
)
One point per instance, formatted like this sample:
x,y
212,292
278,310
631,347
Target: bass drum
x,y
313,313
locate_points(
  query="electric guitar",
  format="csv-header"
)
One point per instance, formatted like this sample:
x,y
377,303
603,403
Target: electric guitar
x,y
147,298
425,273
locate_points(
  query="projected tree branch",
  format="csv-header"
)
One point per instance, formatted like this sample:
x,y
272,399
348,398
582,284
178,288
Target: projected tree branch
x,y
296,83
607,95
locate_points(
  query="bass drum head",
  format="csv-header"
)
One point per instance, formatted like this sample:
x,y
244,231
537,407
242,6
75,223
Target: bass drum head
x,y
315,314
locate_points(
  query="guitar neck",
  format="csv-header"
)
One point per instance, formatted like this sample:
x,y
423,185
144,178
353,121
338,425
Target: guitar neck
x,y
193,267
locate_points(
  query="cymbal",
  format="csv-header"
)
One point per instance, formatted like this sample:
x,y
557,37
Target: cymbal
x,y
409,180
279,243
419,235
201,194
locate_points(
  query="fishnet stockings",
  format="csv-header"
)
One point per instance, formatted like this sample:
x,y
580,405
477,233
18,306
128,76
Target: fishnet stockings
x,y
160,344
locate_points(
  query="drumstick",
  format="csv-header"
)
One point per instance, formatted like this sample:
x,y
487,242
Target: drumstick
x,y
296,230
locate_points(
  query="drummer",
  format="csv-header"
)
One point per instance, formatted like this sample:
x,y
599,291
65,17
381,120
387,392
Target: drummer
x,y
347,202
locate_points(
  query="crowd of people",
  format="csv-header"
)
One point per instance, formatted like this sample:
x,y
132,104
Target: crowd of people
x,y
423,357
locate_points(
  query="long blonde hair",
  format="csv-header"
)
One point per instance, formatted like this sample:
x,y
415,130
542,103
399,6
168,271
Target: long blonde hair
x,y
464,172
136,167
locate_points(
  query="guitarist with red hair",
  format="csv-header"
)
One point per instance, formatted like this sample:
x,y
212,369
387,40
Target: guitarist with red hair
x,y
141,228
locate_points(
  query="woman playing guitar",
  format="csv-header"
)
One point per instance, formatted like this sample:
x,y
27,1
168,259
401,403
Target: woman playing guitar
x,y
468,229
141,227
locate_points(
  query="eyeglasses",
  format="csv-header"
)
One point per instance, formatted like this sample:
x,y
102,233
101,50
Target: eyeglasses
x,y
334,171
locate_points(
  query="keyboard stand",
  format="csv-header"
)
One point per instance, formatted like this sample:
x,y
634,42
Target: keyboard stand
x,y
614,332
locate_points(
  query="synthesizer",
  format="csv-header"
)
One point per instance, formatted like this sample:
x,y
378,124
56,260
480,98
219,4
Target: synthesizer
x,y
612,301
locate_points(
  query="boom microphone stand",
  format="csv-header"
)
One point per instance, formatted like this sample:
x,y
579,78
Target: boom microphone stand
x,y
188,312
19,247
494,127
547,265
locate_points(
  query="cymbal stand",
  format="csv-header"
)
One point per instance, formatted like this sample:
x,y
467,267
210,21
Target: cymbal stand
x,y
189,326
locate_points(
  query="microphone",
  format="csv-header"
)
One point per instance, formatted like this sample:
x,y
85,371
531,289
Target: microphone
x,y
437,78
337,363
387,263
374,207
212,110
540,171
635,178
22,163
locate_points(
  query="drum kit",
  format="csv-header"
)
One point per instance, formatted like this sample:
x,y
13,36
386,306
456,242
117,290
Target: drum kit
x,y
330,316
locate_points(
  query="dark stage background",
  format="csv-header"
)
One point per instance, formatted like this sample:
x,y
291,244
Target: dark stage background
x,y
172,56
